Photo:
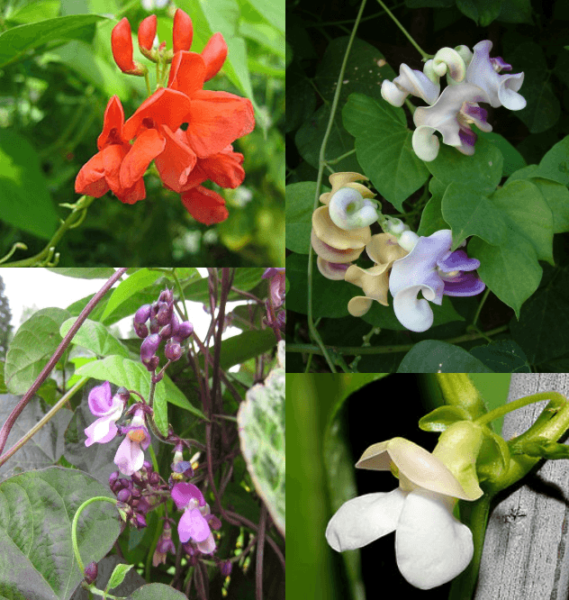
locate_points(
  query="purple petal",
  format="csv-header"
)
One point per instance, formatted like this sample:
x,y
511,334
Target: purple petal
x,y
272,271
129,457
100,399
102,430
458,261
208,545
193,525
469,285
183,492
467,136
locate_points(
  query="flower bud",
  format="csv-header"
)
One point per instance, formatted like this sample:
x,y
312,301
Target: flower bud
x,y
166,296
91,572
226,568
149,347
154,326
152,364
113,477
185,330
123,394
121,44
214,55
164,313
173,349
174,324
123,495
166,331
408,240
147,32
142,314
183,31
140,330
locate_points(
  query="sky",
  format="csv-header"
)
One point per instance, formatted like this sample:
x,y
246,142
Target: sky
x,y
43,288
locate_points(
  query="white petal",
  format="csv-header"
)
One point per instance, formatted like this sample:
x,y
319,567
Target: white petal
x,y
425,143
364,519
432,546
392,94
413,313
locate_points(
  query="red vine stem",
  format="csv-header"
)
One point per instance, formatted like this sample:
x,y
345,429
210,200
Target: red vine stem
x,y
7,427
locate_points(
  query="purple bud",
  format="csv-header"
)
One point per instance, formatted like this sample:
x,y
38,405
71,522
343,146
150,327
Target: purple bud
x,y
91,572
185,330
112,479
154,325
226,568
213,521
141,330
175,324
152,364
147,466
149,346
164,313
136,493
140,521
154,478
142,314
123,394
166,296
123,495
173,350
165,332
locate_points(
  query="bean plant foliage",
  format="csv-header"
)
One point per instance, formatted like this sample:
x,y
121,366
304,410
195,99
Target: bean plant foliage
x,y
466,184
150,466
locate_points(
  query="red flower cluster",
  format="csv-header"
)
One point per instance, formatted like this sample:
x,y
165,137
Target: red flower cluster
x,y
185,157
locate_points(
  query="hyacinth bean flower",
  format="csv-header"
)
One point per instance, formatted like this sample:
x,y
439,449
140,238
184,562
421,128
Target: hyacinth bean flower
x,y
502,90
108,409
130,454
277,285
432,269
336,247
432,546
384,250
411,82
456,109
194,524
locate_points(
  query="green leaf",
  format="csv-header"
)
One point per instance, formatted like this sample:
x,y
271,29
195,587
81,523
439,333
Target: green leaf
x,y
157,590
555,164
240,348
432,216
95,337
482,171
35,11
502,356
261,425
516,11
16,42
299,205
527,215
513,160
511,270
134,376
33,345
383,147
98,273
430,356
482,12
273,12
25,201
118,575
36,510
471,213
442,417
128,288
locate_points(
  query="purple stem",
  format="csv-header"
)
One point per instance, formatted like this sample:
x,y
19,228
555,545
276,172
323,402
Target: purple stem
x,y
7,427
260,553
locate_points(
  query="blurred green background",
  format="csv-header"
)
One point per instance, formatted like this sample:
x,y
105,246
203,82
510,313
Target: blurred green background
x,y
54,87
331,420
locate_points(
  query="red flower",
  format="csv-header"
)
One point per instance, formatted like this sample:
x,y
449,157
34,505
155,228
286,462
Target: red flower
x,y
121,44
205,205
183,31
101,173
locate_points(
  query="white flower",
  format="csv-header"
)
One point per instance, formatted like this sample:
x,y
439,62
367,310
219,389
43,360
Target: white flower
x,y
431,545
409,82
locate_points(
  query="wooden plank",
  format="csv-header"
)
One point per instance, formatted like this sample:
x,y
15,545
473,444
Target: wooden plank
x,y
525,551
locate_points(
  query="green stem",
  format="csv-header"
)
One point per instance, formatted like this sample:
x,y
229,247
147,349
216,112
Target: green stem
x,y
76,520
356,350
404,31
475,516
321,163
74,218
479,309
557,400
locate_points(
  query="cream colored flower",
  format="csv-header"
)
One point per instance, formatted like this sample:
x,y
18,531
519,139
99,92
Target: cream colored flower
x,y
384,250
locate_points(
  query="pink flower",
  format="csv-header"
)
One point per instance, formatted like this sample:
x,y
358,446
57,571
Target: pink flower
x,y
195,522
108,409
130,454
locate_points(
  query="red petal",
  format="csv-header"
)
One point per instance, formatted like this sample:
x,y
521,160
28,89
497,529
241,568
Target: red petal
x,y
224,169
165,107
216,120
187,73
91,178
147,32
214,55
113,124
133,194
146,148
205,205
176,162
121,43
183,31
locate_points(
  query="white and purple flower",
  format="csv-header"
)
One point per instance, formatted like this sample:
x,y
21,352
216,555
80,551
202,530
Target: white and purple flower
x,y
130,454
433,270
196,522
109,410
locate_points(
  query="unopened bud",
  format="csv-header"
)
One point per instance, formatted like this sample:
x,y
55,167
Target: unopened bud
x,y
91,572
183,31
149,347
142,314
185,330
147,33
173,350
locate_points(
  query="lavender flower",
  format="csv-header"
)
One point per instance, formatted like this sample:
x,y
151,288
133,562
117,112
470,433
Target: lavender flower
x,y
130,454
194,523
108,409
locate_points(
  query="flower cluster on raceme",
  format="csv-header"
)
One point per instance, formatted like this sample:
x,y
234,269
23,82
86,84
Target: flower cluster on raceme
x,y
403,263
472,78
187,131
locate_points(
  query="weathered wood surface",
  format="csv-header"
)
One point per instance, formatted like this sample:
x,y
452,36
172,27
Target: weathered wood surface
x,y
526,554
